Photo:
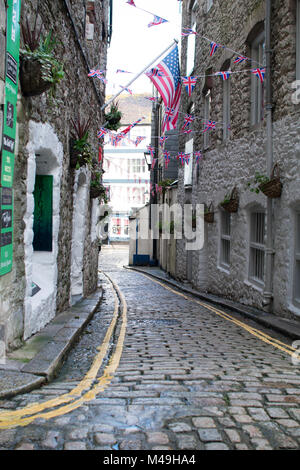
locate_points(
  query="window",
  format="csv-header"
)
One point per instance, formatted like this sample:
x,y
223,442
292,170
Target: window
x,y
296,287
257,248
225,230
207,109
257,88
136,165
298,41
226,108
191,45
188,168
90,20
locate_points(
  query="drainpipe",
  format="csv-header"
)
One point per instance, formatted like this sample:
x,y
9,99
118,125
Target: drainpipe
x,y
269,250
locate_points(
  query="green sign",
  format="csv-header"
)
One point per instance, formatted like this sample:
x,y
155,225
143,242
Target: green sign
x,y
9,134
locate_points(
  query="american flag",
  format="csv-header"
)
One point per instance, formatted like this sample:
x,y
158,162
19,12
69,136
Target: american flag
x,y
169,86
189,83
260,73
156,21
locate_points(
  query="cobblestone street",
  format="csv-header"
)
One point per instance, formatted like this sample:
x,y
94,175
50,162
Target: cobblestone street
x,y
188,378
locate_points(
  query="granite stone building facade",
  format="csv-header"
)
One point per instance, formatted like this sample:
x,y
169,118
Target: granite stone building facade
x,y
45,280
252,255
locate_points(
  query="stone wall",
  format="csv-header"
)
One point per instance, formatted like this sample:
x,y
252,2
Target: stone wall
x,y
76,95
234,162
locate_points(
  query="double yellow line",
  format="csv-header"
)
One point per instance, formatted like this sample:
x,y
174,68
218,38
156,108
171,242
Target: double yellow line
x,y
253,331
86,390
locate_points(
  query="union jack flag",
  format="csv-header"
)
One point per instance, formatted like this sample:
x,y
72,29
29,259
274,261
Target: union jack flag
x,y
138,140
169,86
181,157
168,113
240,59
153,163
260,73
188,118
122,71
96,73
188,131
125,131
131,2
167,158
189,83
154,73
151,98
151,150
210,125
102,132
225,75
213,48
126,89
162,140
187,158
156,21
187,31
198,156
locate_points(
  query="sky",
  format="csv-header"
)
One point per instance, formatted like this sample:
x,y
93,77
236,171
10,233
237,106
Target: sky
x,y
134,45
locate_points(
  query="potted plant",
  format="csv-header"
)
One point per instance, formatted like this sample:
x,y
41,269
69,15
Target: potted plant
x,y
80,149
96,188
164,184
39,69
209,214
231,201
270,187
113,118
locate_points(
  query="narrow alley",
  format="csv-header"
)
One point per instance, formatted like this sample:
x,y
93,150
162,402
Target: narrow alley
x,y
176,375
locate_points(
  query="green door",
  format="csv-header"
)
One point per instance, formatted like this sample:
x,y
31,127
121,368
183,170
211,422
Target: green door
x,y
42,222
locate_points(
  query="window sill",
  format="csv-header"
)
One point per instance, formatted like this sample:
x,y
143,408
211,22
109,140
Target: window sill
x,y
224,269
255,285
294,309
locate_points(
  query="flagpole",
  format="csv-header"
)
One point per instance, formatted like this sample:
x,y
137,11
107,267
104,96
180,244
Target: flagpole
x,y
175,41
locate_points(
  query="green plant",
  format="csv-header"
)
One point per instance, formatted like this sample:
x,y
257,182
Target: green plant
x,y
41,50
258,180
82,147
113,118
96,184
165,183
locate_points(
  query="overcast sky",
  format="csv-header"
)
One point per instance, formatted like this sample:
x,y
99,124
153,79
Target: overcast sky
x,y
134,45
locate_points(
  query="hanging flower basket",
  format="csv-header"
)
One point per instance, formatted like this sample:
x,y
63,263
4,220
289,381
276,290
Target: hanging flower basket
x,y
32,78
209,214
76,158
95,192
231,203
273,187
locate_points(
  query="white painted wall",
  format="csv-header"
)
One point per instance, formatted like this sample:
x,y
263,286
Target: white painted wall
x,y
45,156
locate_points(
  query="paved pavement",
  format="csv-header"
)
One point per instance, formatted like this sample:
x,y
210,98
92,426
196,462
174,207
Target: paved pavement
x,y
183,376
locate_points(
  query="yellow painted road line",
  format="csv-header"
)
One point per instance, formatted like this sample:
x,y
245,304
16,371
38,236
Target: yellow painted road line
x,y
257,333
28,414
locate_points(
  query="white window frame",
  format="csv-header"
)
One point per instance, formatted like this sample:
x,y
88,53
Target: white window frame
x,y
298,40
191,42
207,110
226,108
188,168
225,239
257,248
257,88
296,270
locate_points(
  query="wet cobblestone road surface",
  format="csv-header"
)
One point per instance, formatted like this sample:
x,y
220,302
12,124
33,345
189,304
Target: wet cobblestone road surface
x,y
187,380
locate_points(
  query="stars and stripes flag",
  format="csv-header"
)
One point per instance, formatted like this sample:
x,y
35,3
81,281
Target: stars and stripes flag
x,y
213,48
209,125
260,73
225,75
188,119
156,21
189,83
240,59
169,86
